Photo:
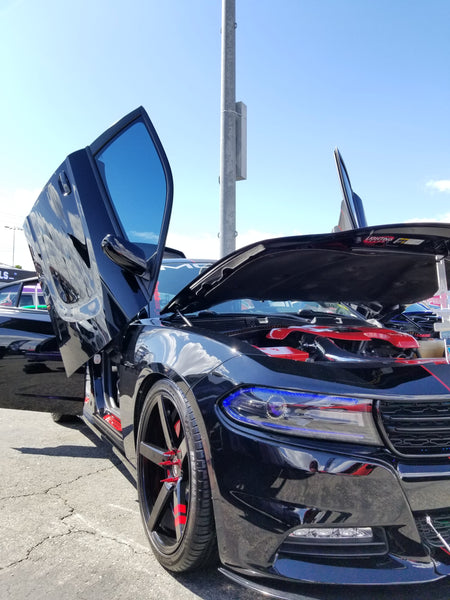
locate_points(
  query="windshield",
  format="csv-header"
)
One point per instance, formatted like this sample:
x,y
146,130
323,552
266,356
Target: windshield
x,y
307,309
175,274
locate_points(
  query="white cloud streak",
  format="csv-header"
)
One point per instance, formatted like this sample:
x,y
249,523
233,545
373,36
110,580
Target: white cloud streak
x,y
440,185
14,207
206,245
440,219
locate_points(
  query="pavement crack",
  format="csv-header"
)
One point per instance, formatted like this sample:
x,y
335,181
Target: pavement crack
x,y
58,485
32,549
79,478
74,524
134,547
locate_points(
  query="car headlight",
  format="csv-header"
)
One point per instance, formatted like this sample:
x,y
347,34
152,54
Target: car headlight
x,y
338,418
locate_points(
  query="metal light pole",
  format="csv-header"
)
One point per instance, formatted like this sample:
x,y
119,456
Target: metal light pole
x,y
228,130
14,229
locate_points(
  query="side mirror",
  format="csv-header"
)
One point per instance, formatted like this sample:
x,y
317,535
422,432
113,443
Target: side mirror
x,y
125,254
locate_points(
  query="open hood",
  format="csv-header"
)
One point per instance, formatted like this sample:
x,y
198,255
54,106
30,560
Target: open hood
x,y
389,264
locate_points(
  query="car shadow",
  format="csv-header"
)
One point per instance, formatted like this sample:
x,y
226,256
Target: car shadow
x,y
99,448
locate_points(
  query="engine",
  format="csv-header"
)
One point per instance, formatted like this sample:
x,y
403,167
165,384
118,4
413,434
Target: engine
x,y
345,343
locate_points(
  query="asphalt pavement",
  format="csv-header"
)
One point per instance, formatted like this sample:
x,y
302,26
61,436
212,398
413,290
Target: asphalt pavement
x,y
70,527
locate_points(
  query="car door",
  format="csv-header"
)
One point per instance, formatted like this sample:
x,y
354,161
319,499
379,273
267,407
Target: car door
x,y
352,210
97,235
32,375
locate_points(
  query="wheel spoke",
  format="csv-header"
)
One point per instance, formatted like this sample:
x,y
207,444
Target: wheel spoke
x,y
157,512
165,423
182,449
151,453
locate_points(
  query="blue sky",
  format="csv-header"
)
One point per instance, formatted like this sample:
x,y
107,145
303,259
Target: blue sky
x,y
370,77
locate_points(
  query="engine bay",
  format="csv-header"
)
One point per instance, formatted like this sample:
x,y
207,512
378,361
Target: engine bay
x,y
313,338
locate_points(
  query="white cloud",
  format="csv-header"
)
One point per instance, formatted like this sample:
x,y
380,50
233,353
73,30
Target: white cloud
x,y
441,185
14,242
444,218
440,219
253,235
14,207
206,245
201,245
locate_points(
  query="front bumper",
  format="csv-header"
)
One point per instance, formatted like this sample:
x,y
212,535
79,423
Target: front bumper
x,y
268,487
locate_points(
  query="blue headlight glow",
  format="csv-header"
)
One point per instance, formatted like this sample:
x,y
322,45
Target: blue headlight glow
x,y
304,414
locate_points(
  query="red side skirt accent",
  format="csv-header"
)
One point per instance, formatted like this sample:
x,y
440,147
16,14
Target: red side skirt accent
x,y
113,421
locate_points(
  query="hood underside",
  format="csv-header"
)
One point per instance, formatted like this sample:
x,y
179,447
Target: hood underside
x,y
389,264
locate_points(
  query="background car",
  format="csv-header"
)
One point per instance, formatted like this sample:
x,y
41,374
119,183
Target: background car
x,y
25,293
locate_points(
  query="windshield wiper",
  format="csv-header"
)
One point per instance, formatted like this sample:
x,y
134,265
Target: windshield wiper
x,y
182,317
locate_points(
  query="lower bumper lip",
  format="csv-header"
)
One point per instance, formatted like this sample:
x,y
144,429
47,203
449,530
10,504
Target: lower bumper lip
x,y
285,589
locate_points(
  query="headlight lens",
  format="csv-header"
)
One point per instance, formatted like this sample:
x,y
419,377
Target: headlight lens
x,y
305,414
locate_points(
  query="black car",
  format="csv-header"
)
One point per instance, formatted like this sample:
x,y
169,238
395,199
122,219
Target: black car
x,y
269,426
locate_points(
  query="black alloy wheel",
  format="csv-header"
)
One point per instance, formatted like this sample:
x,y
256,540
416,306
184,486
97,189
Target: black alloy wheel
x,y
173,485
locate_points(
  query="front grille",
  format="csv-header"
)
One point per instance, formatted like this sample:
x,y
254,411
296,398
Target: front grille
x,y
416,428
440,524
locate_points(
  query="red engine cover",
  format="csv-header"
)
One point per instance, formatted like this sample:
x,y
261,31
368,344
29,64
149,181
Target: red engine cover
x,y
354,334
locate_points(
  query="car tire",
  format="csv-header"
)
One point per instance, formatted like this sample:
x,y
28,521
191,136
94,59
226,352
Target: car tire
x,y
172,481
62,418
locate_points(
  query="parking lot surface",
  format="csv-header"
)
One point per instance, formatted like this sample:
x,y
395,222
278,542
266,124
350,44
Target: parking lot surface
x,y
71,530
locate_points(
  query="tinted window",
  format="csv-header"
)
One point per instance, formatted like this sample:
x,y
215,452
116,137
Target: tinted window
x,y
28,296
8,295
174,276
27,300
134,178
